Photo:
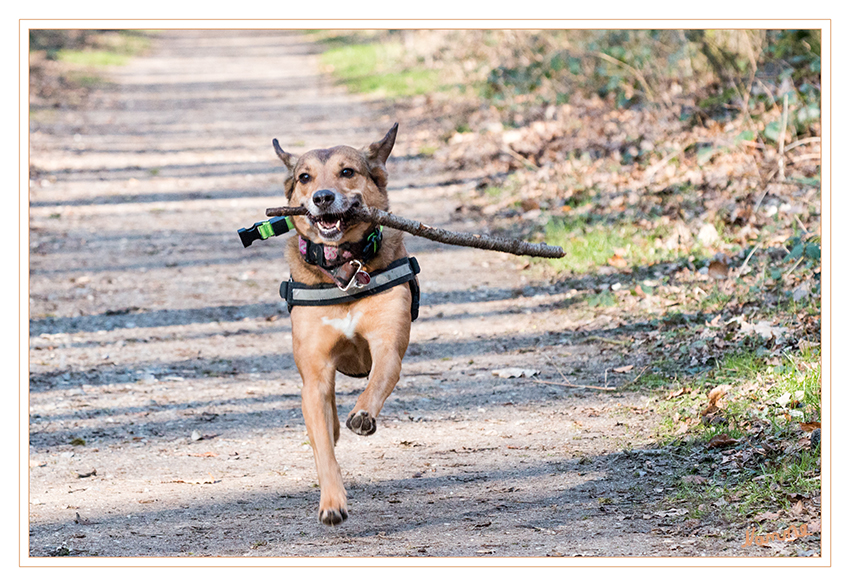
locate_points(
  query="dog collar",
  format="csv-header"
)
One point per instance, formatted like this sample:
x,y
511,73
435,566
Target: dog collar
x,y
403,270
343,263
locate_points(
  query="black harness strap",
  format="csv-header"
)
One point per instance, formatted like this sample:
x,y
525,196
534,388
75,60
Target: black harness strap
x,y
403,270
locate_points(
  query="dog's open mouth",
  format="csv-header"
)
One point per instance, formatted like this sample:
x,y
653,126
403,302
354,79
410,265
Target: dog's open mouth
x,y
333,226
329,225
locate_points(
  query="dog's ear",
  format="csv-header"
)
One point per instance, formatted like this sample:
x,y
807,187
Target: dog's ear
x,y
379,152
288,160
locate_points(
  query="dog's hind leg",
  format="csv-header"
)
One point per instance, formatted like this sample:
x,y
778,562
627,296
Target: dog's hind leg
x,y
319,407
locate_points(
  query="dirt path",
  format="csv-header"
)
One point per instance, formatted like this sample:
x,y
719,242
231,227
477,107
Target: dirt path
x,y
150,323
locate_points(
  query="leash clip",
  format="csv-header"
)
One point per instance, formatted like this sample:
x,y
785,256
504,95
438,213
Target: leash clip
x,y
359,279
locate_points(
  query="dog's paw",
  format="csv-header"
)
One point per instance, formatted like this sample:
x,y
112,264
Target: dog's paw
x,y
333,516
361,423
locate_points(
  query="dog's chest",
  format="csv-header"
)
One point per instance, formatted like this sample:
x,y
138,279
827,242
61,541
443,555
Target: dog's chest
x,y
345,325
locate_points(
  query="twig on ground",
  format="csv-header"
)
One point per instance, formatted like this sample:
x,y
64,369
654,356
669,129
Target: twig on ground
x,y
520,158
595,388
606,340
782,137
801,142
571,385
634,380
567,383
552,362
641,79
746,260
670,156
509,245
765,189
806,157
795,265
802,226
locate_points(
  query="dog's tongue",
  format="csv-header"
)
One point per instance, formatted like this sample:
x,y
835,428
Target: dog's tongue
x,y
329,224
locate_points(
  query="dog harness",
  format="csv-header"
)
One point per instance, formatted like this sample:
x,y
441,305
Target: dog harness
x,y
403,270
343,264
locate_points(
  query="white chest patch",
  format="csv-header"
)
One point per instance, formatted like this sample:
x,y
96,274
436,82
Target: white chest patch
x,y
346,324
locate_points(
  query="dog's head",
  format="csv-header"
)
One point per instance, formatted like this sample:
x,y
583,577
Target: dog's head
x,y
330,183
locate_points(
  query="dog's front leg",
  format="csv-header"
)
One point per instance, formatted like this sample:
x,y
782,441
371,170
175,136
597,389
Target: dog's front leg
x,y
387,353
319,407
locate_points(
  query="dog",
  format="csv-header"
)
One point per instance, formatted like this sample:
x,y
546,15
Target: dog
x,y
358,332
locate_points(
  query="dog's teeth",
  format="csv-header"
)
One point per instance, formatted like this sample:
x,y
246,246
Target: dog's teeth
x,y
339,224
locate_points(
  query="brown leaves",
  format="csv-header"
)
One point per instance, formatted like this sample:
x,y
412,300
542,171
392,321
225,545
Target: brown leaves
x,y
618,261
809,426
712,412
762,517
718,269
716,394
678,393
722,441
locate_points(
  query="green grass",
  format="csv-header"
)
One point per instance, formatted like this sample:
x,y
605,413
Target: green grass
x,y
84,79
93,49
92,58
797,474
715,300
589,245
757,408
377,68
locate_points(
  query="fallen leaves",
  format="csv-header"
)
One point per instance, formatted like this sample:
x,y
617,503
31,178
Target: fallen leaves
x,y
718,269
618,261
722,440
763,328
717,393
762,517
809,426
712,412
678,392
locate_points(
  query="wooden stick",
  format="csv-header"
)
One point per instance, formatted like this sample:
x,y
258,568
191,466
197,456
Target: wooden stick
x,y
389,220
571,385
567,383
782,137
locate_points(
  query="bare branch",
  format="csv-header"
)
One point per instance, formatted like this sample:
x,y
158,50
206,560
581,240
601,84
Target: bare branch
x,y
389,220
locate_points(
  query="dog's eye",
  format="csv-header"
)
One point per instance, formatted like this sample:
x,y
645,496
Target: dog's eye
x,y
347,172
304,178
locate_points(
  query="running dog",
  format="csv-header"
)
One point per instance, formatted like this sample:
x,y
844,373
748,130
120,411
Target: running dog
x,y
352,295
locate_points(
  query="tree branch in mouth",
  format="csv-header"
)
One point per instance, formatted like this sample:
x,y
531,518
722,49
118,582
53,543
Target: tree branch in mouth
x,y
376,216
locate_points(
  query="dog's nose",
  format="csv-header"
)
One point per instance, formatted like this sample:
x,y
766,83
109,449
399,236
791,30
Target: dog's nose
x,y
323,198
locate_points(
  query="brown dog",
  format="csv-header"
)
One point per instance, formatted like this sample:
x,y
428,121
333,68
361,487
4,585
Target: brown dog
x,y
357,335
